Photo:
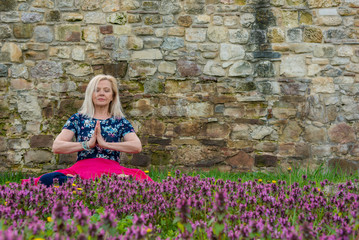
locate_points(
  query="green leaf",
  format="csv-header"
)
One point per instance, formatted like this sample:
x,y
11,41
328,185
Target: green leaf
x,y
188,226
218,228
180,226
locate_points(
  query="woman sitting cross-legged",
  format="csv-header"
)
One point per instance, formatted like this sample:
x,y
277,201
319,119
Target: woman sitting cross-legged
x,y
98,128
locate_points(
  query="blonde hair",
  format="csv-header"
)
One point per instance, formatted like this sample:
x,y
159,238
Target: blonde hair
x,y
115,108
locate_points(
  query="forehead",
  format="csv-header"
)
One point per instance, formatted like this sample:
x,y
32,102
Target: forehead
x,y
104,83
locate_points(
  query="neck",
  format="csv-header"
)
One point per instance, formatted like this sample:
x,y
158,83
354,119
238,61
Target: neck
x,y
101,113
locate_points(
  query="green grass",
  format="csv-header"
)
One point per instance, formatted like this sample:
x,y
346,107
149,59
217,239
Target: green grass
x,y
295,175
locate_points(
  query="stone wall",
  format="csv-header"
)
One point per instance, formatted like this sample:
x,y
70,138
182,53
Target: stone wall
x,y
230,84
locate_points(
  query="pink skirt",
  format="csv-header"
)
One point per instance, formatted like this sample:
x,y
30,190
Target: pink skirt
x,y
95,167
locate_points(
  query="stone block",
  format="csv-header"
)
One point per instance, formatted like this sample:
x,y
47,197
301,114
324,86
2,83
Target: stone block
x,y
119,18
18,144
107,29
240,69
15,52
31,17
266,147
264,69
265,161
238,36
41,141
323,85
3,70
118,69
68,33
217,34
344,165
5,31
241,161
67,159
290,18
323,3
188,68
141,160
214,68
8,5
341,133
53,16
335,34
3,144
160,158
196,34
153,127
167,67
141,107
90,5
215,130
330,20
293,66
151,54
141,68
126,5
305,18
176,31
142,31
184,20
294,35
79,70
90,34
240,131
110,6
172,43
20,84
312,34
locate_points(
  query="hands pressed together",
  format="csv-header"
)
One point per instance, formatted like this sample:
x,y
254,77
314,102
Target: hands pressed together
x,y
97,138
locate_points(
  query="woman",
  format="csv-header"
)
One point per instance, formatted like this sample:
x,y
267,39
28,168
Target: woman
x,y
98,128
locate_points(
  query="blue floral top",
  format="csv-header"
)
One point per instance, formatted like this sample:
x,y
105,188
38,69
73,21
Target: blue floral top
x,y
112,130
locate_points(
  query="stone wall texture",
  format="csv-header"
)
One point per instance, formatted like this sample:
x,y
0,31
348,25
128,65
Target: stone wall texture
x,y
238,85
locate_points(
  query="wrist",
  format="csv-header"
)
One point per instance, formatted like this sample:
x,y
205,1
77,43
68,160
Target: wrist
x,y
85,145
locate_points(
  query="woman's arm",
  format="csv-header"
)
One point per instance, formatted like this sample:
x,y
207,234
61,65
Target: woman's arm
x,y
64,144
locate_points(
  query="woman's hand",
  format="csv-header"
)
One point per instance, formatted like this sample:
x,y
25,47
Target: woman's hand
x,y
100,140
93,139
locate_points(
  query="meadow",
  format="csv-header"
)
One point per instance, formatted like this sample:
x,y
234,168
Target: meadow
x,y
288,204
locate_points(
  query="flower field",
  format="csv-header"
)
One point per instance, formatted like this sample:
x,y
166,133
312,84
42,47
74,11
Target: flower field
x,y
180,207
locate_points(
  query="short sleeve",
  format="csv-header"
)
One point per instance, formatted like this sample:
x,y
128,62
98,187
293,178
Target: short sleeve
x,y
71,123
125,127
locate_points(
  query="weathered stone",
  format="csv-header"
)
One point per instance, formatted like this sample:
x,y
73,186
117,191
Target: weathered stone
x,y
167,67
266,146
214,68
265,161
323,85
43,34
19,71
10,17
217,20
290,18
14,51
312,34
172,43
151,42
184,21
330,20
28,107
65,3
153,127
188,68
240,69
141,160
238,36
344,165
326,51
17,144
305,18
60,52
315,134
63,87
90,34
147,54
37,157
152,19
261,132
41,141
241,161
195,7
79,70
118,69
293,66
169,7
195,34
330,71
143,31
97,18
291,132
5,31
78,54
217,34
264,69
323,3
176,31
53,16
341,133
313,69
141,107
231,52
23,30
345,51
68,159
110,6
3,144
122,30
3,70
117,18
141,68
334,35
31,17
20,84
33,55
200,110
72,17
214,130
43,3
68,33
276,35
345,11
126,5
47,69
108,29
247,19
89,5
8,5
294,35
240,131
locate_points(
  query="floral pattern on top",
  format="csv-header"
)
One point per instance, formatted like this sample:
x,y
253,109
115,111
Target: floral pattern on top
x,y
112,130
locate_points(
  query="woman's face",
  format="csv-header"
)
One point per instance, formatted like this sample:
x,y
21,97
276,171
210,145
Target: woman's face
x,y
102,96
